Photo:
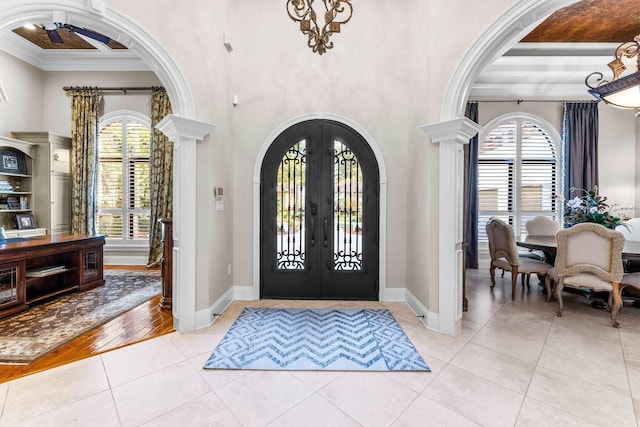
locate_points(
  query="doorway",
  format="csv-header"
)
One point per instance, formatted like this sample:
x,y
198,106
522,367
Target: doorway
x,y
319,210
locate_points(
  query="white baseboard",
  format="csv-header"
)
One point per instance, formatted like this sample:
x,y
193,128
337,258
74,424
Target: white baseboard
x,y
246,293
125,260
393,295
207,316
428,319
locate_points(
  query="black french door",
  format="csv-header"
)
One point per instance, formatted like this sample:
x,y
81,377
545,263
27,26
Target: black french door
x,y
319,212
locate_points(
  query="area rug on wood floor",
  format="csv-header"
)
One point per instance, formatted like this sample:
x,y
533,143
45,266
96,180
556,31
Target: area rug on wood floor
x,y
44,327
316,339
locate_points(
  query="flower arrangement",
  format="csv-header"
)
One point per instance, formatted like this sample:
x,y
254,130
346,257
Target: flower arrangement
x,y
591,207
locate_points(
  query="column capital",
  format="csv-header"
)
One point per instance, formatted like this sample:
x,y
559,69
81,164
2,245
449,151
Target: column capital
x,y
177,128
458,130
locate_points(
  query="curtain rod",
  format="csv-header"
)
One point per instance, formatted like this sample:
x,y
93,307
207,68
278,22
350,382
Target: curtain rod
x,y
520,101
115,90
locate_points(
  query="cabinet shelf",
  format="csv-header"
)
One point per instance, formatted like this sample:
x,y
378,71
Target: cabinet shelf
x,y
33,275
62,263
17,185
50,185
59,291
17,175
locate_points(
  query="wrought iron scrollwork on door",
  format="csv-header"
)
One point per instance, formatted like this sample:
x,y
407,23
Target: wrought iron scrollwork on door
x,y
290,216
348,209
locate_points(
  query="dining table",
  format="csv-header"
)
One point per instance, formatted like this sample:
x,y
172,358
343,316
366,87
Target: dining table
x,y
548,245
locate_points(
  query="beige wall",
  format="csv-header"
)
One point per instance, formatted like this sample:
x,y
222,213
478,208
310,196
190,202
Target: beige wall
x,y
23,84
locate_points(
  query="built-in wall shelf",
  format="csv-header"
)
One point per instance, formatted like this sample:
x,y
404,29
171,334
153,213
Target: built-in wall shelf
x,y
17,159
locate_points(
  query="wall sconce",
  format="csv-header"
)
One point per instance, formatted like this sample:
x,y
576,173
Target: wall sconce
x,y
336,12
624,91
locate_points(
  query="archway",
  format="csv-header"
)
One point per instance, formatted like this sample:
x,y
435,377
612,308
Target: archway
x,y
453,128
182,125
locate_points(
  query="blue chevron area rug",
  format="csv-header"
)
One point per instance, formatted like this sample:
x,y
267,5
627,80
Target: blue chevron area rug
x,y
345,339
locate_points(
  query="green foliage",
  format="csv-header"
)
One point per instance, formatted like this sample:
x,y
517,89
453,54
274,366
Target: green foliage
x,y
591,207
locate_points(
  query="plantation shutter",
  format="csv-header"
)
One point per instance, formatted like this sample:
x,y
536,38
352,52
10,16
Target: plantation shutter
x,y
124,196
496,176
518,175
138,147
539,184
109,189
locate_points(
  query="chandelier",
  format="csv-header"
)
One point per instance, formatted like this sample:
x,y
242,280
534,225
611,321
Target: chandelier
x,y
336,12
621,91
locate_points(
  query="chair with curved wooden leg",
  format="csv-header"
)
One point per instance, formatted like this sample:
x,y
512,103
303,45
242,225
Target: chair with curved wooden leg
x,y
631,280
590,256
541,225
504,254
631,231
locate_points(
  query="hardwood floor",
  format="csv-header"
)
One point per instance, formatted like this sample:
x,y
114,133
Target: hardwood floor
x,y
138,324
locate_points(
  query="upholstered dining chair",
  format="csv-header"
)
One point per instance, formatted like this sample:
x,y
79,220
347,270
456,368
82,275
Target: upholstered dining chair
x,y
631,231
589,256
540,225
504,254
631,280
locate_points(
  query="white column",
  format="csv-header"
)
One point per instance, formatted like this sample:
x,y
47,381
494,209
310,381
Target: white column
x,y
451,136
184,133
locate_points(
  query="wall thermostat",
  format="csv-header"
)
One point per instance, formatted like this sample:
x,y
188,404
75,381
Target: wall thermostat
x,y
218,192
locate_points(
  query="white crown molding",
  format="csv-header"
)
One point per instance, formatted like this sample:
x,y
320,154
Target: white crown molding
x,y
542,76
563,49
97,6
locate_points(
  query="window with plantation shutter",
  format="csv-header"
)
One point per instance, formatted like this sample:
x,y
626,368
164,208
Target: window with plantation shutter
x,y
123,187
519,173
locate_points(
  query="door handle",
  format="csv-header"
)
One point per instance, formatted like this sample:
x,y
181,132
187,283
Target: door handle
x,y
326,230
313,231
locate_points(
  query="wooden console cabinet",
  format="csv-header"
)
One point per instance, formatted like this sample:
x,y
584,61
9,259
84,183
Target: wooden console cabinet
x,y
44,266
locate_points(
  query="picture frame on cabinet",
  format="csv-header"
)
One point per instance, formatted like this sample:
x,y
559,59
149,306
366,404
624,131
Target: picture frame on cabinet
x,y
25,221
12,162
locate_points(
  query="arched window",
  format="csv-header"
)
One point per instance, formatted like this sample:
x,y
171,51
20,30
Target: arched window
x,y
123,188
519,172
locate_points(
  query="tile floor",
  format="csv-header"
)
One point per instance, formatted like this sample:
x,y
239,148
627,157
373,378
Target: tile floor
x,y
514,363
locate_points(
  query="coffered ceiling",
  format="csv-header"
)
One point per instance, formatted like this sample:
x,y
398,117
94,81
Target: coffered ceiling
x,y
590,21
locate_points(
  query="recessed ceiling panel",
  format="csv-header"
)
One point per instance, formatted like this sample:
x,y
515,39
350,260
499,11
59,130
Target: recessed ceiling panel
x,y
590,21
70,40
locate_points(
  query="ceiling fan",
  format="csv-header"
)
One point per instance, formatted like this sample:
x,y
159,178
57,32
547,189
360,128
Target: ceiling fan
x,y
52,32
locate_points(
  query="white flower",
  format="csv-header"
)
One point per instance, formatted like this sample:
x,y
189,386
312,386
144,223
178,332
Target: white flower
x,y
574,203
594,209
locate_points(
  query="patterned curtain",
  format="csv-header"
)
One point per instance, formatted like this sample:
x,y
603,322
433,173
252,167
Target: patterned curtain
x,y
161,175
85,107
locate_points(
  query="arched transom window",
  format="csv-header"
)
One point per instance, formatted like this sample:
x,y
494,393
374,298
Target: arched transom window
x,y
519,172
